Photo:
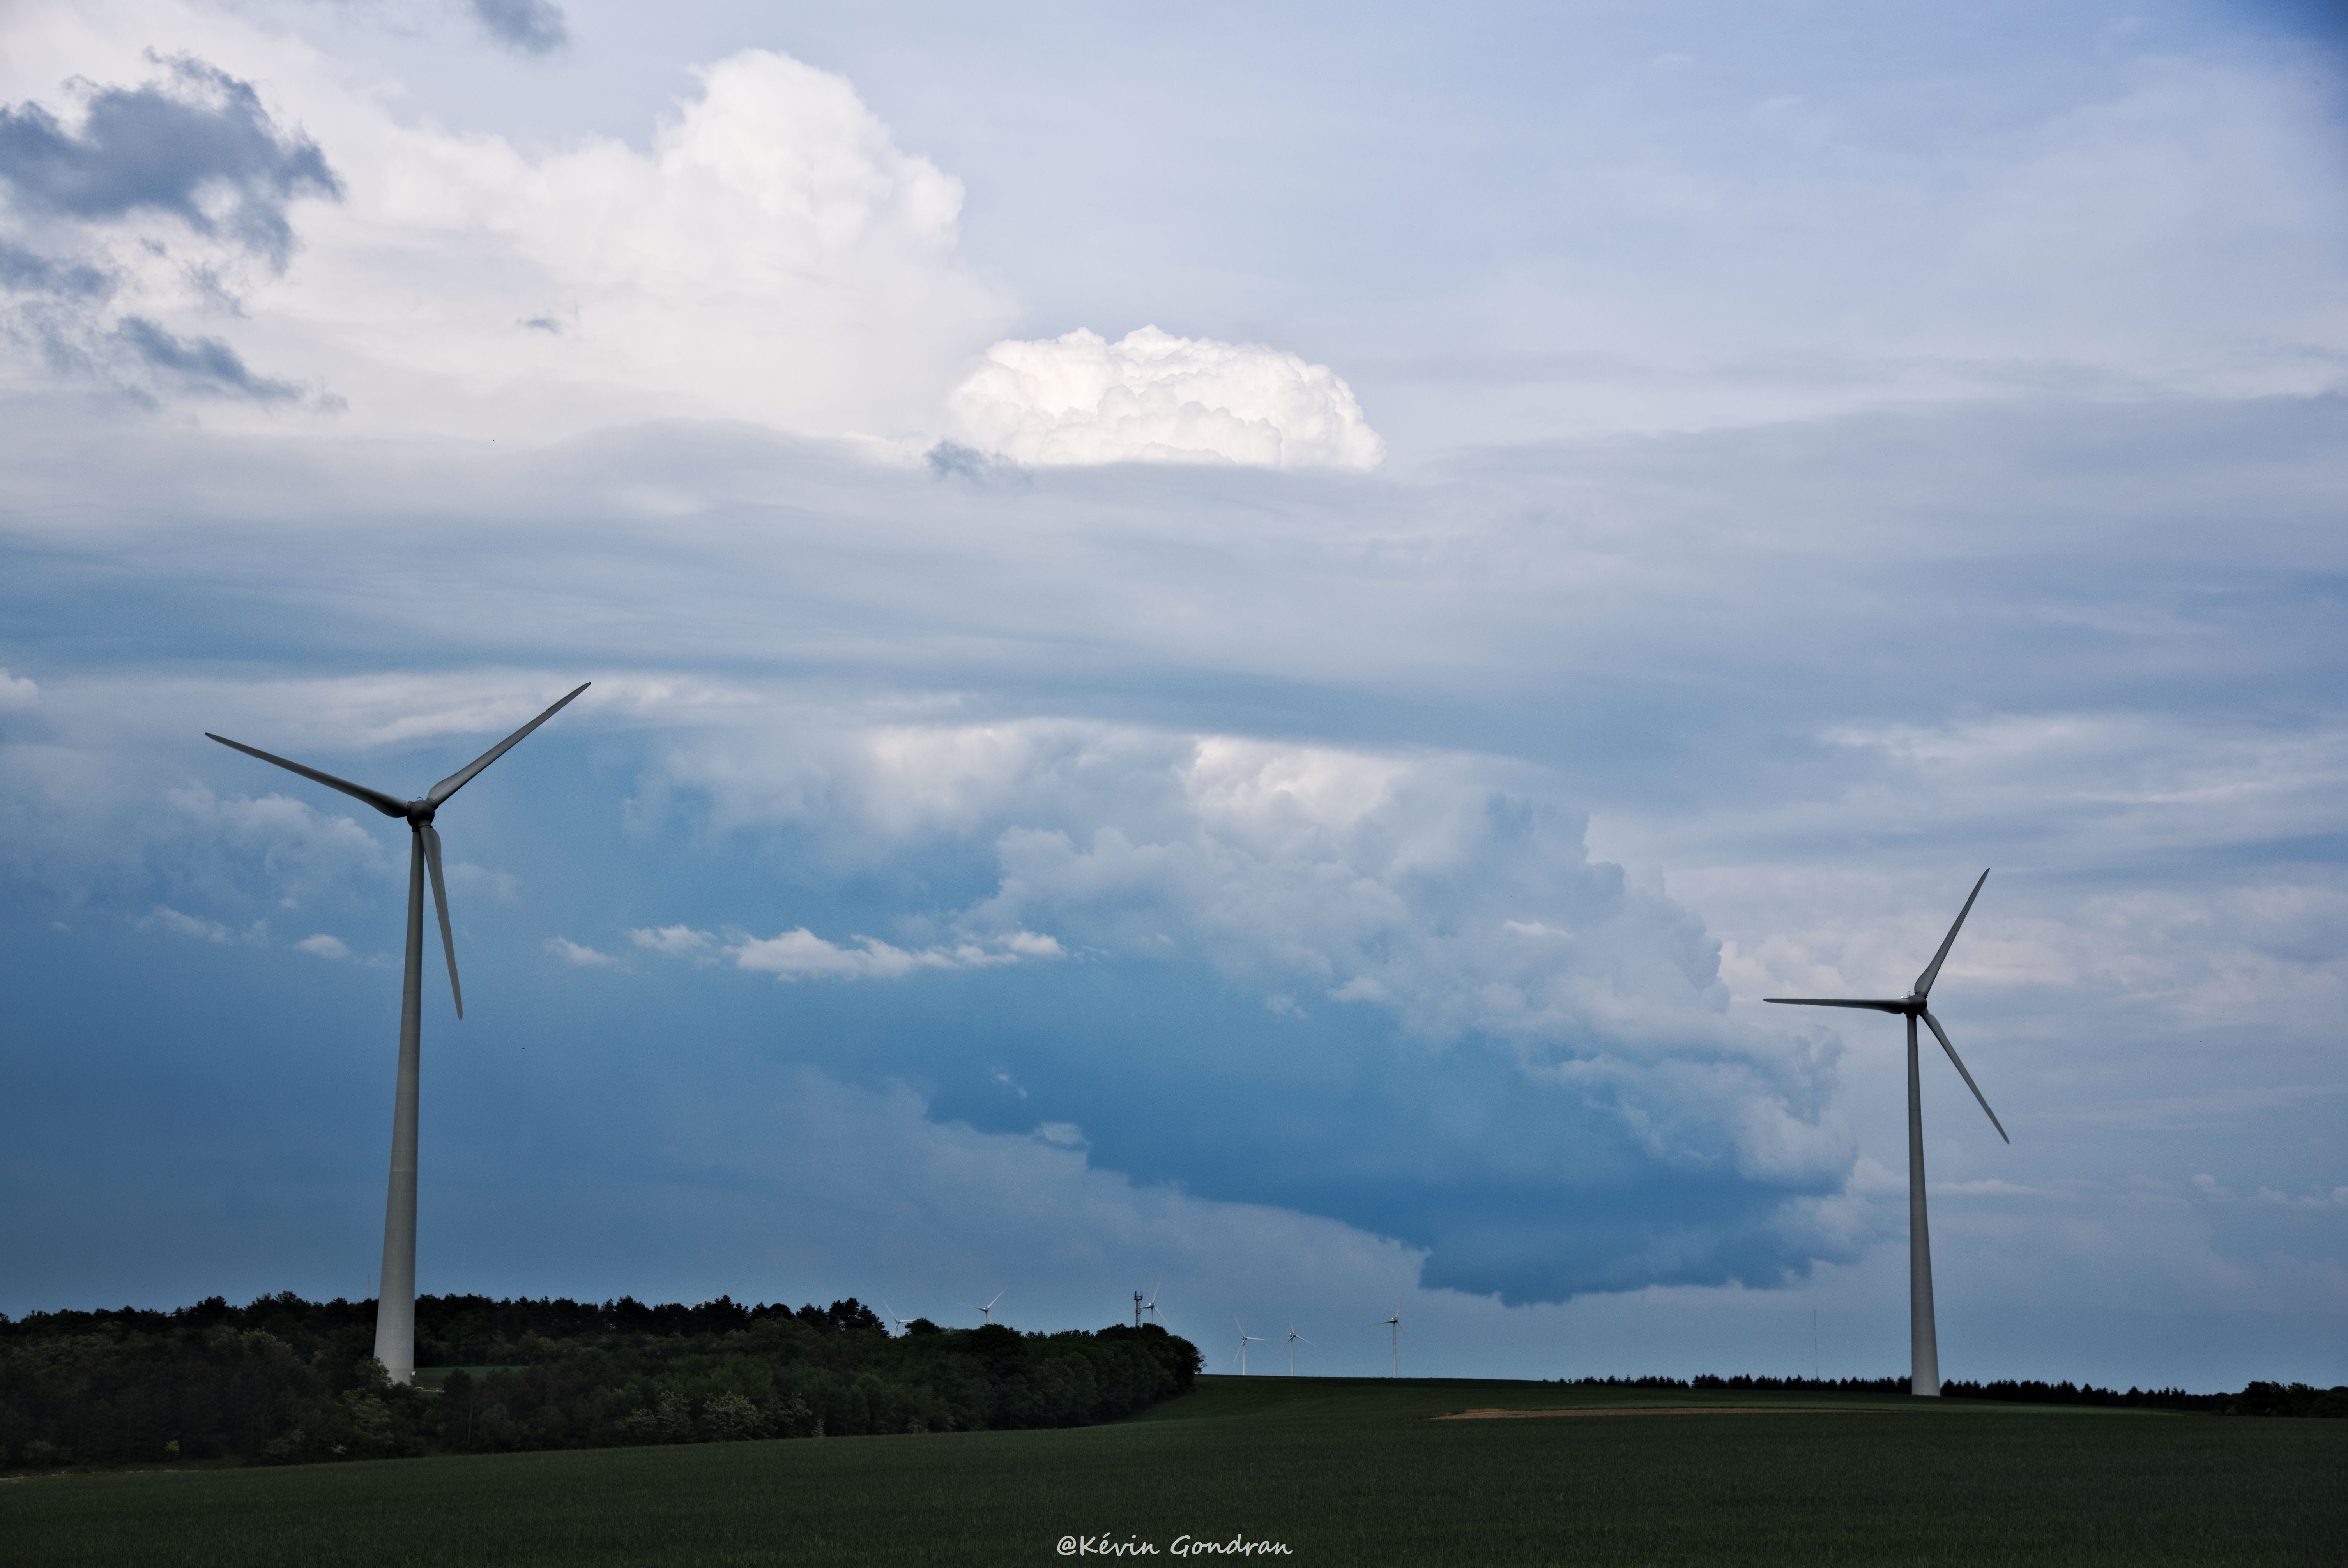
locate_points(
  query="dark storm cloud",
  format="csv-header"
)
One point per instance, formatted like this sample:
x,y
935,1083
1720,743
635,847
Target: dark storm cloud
x,y
198,146
203,364
533,27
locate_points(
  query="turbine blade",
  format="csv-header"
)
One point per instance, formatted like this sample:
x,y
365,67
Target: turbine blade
x,y
374,797
440,899
464,776
1835,1002
1932,970
1942,1036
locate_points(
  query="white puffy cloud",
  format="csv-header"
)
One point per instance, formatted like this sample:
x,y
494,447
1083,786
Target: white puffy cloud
x,y
322,945
165,919
1153,397
801,954
771,256
571,952
673,941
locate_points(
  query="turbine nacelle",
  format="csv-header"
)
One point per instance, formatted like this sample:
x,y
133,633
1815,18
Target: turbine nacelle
x,y
1914,1006
418,813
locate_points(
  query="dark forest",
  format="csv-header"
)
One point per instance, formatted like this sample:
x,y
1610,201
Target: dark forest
x,y
285,1380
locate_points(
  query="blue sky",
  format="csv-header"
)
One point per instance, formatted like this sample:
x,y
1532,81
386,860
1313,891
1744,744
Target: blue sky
x,y
1226,647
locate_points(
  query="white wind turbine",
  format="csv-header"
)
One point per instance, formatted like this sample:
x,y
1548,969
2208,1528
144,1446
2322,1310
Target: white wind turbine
x,y
893,1314
987,1311
1294,1339
1151,1308
395,1312
1247,1338
1393,1323
1923,1345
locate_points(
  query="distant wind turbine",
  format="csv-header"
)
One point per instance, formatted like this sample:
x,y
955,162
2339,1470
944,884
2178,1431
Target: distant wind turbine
x,y
892,1312
1155,1316
1393,1323
1247,1338
987,1311
1923,1345
395,1313
1294,1339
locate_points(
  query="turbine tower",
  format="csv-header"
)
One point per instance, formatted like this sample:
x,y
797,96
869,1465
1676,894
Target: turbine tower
x,y
1393,1323
1923,1344
987,1311
1294,1339
1247,1338
395,1312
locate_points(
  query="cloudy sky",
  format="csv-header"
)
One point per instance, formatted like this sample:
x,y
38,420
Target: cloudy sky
x,y
1228,647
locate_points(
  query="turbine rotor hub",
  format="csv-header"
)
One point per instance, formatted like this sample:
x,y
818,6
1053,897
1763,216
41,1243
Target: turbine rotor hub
x,y
420,812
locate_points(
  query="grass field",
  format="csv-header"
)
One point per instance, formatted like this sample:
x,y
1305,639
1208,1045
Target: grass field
x,y
1339,1471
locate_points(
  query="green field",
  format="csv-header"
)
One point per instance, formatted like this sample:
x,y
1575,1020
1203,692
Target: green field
x,y
1338,1469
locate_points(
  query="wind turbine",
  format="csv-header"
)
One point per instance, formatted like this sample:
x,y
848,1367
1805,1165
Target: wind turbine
x,y
1294,1339
1923,1346
987,1311
395,1313
1152,1307
1393,1323
893,1314
1245,1340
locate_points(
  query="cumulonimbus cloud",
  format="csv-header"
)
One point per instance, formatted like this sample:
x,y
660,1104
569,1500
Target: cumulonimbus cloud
x,y
1499,1006
1153,397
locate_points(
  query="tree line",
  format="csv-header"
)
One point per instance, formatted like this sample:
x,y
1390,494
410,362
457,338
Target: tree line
x,y
2257,1399
285,1380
